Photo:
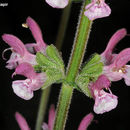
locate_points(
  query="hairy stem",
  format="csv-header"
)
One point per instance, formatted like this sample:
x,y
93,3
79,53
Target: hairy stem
x,y
59,41
80,42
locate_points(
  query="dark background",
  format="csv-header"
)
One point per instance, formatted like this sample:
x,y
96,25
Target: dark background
x,y
11,18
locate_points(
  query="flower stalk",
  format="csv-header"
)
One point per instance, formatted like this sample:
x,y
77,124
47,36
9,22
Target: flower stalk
x,y
80,42
59,41
42,107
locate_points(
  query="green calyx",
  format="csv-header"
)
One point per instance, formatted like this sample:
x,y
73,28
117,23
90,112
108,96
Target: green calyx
x,y
52,64
90,72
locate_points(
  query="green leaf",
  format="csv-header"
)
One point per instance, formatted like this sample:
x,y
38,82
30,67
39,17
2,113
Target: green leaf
x,y
93,68
53,76
43,60
53,53
82,83
37,68
96,58
90,72
51,64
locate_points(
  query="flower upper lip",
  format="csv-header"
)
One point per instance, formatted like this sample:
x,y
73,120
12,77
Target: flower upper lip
x,y
37,34
115,67
107,55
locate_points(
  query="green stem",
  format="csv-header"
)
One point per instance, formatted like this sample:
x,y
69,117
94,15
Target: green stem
x,y
42,107
63,26
75,61
59,41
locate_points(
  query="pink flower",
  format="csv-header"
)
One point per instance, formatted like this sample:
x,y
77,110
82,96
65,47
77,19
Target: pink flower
x,y
19,52
97,9
115,67
86,122
24,125
104,101
57,3
34,81
51,119
118,69
24,53
37,34
107,56
21,121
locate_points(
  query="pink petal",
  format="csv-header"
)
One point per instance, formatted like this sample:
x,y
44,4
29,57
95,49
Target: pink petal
x,y
25,69
122,58
45,126
104,102
101,82
38,81
126,76
57,3
107,54
30,47
22,89
13,61
96,10
51,117
112,75
36,32
15,43
21,121
86,122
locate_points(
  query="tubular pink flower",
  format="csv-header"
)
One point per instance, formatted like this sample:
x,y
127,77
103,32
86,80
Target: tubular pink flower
x,y
118,69
37,34
107,56
21,121
57,3
97,9
86,122
19,54
24,125
34,81
51,119
104,101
